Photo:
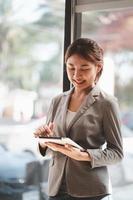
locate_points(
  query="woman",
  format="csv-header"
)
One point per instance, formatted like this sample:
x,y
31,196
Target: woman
x,y
88,116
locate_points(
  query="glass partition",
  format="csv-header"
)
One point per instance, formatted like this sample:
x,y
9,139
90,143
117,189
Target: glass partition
x,y
113,30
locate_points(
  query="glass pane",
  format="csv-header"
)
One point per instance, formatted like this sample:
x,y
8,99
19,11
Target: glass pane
x,y
31,38
113,30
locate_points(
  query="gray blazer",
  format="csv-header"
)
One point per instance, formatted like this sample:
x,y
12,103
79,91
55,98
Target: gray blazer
x,y
97,122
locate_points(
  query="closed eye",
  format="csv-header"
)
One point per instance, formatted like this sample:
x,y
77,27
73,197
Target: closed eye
x,y
85,69
71,68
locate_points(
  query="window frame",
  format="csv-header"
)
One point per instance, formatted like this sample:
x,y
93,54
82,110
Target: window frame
x,y
73,21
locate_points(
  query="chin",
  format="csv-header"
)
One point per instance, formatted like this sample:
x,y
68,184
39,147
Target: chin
x,y
80,86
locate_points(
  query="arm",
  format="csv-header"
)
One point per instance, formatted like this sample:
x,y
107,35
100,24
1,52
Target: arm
x,y
112,132
48,128
45,130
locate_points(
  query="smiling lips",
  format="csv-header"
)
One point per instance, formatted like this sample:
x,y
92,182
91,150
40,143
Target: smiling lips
x,y
78,82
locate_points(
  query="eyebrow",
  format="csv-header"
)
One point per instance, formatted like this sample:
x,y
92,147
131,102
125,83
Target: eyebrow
x,y
84,65
69,64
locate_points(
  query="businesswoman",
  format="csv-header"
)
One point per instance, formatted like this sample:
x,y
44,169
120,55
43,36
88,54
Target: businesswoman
x,y
88,116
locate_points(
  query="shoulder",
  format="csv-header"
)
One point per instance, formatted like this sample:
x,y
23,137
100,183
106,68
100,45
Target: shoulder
x,y
107,98
61,96
109,102
103,97
57,97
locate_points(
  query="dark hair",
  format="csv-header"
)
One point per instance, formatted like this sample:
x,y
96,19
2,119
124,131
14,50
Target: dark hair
x,y
88,49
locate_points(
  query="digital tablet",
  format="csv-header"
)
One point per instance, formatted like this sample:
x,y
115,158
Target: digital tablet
x,y
60,140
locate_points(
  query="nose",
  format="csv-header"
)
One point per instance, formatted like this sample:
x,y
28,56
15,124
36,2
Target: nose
x,y
77,74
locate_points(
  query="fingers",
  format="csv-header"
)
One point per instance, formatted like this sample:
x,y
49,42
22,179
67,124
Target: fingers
x,y
68,146
65,149
39,131
45,130
71,148
48,130
52,146
56,147
51,125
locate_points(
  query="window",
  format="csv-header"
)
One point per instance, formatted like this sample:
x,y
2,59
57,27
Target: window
x,y
31,40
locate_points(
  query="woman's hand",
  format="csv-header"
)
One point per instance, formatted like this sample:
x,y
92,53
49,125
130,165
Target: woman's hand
x,y
46,130
69,151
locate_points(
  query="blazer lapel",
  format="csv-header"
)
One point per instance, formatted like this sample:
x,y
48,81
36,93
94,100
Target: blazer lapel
x,y
65,101
88,101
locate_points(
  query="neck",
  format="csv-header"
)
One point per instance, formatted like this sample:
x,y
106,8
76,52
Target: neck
x,y
81,93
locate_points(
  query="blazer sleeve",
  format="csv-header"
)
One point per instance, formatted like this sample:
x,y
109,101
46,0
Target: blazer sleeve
x,y
113,152
44,151
50,117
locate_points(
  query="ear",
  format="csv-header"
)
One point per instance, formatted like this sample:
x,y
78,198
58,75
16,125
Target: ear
x,y
99,72
99,68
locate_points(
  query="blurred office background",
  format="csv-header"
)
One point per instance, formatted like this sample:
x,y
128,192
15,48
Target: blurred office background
x,y
31,73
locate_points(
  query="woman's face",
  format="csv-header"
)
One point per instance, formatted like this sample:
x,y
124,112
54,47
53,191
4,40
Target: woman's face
x,y
81,72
